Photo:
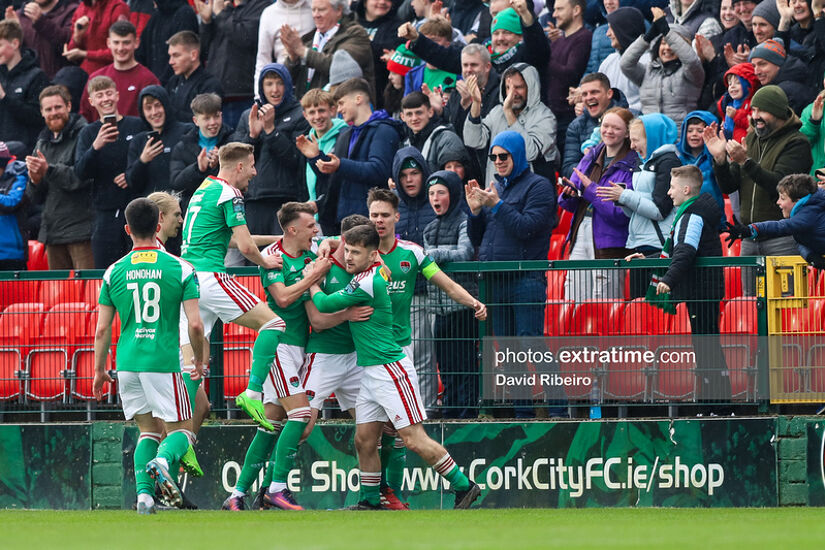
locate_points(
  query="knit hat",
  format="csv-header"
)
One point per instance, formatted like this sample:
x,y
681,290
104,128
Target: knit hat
x,y
343,67
772,99
507,20
627,24
402,61
5,154
772,51
410,163
436,77
768,12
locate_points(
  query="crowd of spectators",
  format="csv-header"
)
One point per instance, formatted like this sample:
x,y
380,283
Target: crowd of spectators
x,y
582,104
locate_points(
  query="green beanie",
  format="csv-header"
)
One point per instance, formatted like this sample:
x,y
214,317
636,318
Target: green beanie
x,y
772,99
436,77
507,20
410,163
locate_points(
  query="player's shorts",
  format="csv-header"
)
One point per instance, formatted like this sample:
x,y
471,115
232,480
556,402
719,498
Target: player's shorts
x,y
408,351
327,373
390,392
221,296
161,393
284,378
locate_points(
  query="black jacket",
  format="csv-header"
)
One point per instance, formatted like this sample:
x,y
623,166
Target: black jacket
x,y
146,178
183,90
103,166
229,43
281,167
383,33
416,211
185,176
686,282
792,78
20,118
170,17
66,199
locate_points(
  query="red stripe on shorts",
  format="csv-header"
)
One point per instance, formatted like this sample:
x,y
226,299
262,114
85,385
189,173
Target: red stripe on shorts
x,y
281,376
401,393
311,358
408,387
177,395
230,288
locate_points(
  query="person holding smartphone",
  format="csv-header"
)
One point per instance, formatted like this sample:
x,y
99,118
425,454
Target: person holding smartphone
x,y
101,156
599,228
150,152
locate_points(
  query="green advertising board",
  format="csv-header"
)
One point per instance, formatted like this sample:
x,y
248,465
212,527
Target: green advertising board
x,y
709,463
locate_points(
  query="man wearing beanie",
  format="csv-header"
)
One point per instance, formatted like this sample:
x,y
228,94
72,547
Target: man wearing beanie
x,y
773,65
343,67
624,26
505,49
764,21
773,148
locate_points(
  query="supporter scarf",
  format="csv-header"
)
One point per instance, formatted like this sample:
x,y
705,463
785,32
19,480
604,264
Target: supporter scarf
x,y
663,301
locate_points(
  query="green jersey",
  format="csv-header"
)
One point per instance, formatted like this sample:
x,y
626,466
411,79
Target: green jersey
x,y
405,261
374,342
215,208
338,339
294,315
146,287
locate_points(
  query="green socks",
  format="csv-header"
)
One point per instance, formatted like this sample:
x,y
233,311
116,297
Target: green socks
x,y
256,457
264,352
447,468
173,447
370,488
287,446
393,460
270,465
145,450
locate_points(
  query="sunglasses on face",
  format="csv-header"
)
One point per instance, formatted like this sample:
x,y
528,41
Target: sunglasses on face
x,y
500,156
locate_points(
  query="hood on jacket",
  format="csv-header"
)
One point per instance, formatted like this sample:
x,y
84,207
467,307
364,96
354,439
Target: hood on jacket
x,y
398,160
159,93
531,78
28,60
282,72
513,143
628,24
660,130
706,117
450,152
454,185
678,15
745,72
74,79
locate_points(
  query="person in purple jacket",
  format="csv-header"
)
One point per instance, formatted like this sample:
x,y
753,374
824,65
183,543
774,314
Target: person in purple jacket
x,y
599,228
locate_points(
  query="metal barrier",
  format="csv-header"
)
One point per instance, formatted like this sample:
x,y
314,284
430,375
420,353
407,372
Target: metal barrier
x,y
47,331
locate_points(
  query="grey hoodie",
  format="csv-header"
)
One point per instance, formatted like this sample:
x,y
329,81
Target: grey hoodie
x,y
536,122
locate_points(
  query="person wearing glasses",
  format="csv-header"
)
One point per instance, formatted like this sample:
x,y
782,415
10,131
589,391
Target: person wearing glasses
x,y
512,220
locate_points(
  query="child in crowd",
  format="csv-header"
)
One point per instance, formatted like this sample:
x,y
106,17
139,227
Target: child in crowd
x,y
735,105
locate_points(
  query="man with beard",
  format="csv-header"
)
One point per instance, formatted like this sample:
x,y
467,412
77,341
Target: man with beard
x,y
773,148
773,65
66,226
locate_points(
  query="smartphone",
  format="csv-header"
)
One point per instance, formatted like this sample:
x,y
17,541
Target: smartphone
x,y
259,103
566,183
110,119
154,136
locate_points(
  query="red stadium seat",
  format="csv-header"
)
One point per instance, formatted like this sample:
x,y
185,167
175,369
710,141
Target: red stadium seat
x,y
676,377
91,292
629,380
555,285
734,250
61,291
565,218
733,282
596,318
48,363
640,317
237,358
739,316
83,359
557,317
680,323
556,250
17,291
37,257
19,324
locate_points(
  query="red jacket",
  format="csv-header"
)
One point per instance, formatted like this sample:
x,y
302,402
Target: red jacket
x,y
101,15
740,120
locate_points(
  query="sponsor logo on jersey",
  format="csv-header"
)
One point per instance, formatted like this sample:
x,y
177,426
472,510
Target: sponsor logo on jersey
x,y
352,286
384,271
145,257
396,286
310,395
405,266
294,381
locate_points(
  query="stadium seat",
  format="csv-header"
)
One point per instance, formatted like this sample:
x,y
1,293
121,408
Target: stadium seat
x,y
91,292
733,282
47,365
629,380
680,323
19,324
557,317
564,218
37,257
676,376
728,210
237,358
556,251
61,291
639,317
596,318
739,316
17,291
734,250
739,359
740,322
83,365
555,284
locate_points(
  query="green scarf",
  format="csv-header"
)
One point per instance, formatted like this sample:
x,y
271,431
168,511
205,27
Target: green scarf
x,y
662,301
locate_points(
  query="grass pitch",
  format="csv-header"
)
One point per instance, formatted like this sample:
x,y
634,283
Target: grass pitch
x,y
472,530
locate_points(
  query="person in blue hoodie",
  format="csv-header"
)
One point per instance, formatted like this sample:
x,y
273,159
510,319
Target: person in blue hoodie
x,y
512,219
647,204
803,206
13,235
692,151
272,128
361,159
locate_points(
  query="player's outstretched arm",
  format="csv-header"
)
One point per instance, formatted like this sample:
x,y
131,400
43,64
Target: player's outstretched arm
x,y
103,339
246,246
459,294
196,336
259,240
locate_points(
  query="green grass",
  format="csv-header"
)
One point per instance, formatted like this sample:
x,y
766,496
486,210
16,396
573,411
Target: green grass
x,y
793,528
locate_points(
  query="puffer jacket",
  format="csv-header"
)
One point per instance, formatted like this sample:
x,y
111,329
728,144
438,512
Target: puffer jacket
x,y
647,205
536,123
694,19
280,165
66,199
13,201
446,240
609,221
671,88
416,211
804,224
433,139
